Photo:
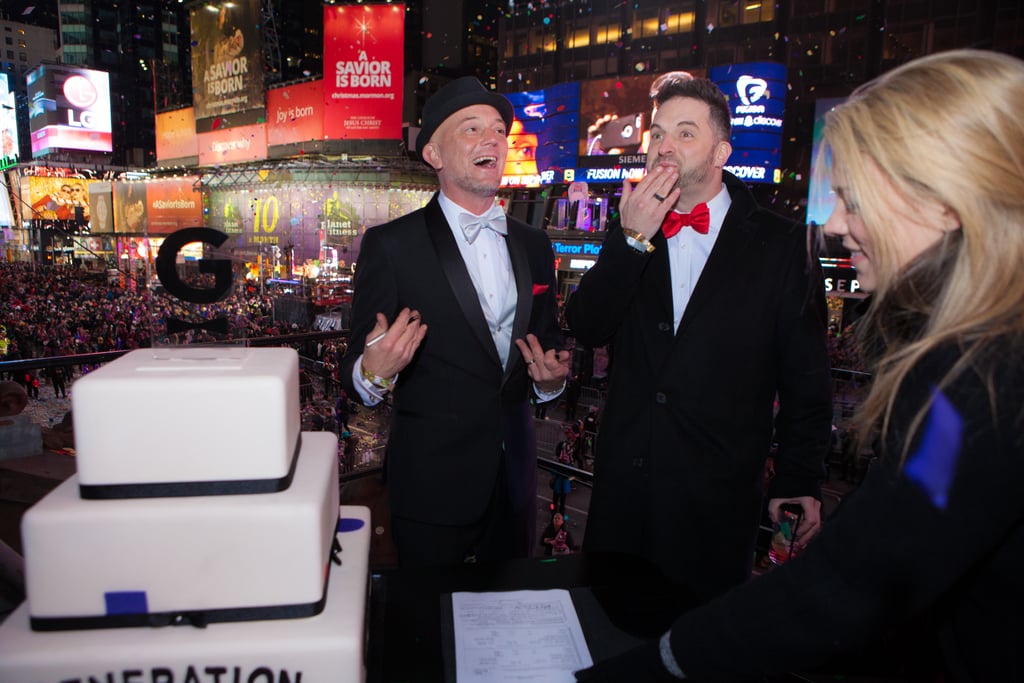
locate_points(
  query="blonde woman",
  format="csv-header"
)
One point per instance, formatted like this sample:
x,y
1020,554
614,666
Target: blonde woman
x,y
929,179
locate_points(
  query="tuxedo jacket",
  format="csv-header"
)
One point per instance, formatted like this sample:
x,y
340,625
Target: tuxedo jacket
x,y
457,414
689,419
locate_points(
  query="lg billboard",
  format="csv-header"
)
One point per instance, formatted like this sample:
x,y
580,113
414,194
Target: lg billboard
x,y
69,108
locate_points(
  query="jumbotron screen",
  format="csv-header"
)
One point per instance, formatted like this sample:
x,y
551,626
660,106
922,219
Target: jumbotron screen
x,y
542,138
69,108
757,101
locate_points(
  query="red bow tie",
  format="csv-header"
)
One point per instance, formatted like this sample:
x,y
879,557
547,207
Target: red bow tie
x,y
699,219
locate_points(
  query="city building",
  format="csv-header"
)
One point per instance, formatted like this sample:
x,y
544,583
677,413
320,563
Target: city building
x,y
826,47
22,47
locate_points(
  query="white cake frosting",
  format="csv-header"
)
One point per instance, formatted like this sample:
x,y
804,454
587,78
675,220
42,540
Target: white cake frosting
x,y
136,538
326,648
200,414
86,559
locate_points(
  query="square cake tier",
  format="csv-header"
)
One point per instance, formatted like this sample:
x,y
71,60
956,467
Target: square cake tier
x,y
98,563
151,424
326,648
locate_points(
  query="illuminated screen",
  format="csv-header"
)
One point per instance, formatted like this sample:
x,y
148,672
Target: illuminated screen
x,y
227,60
295,113
615,115
157,207
363,71
542,140
820,199
757,101
8,125
176,135
230,145
101,219
69,108
6,215
60,202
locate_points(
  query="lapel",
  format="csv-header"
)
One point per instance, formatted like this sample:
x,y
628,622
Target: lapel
x,y
662,273
524,292
455,271
724,260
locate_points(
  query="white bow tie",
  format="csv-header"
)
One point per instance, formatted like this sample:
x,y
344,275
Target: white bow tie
x,y
494,220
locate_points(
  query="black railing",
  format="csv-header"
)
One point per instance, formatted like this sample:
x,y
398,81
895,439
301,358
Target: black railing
x,y
848,389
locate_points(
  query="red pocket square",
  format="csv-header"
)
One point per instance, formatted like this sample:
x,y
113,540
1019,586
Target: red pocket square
x,y
539,289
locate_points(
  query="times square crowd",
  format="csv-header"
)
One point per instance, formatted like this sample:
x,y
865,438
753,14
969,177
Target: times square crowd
x,y
64,311
51,311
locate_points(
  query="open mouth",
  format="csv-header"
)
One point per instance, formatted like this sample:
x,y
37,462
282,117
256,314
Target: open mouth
x,y
486,161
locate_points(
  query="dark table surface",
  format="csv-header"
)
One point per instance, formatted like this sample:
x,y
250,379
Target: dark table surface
x,y
620,601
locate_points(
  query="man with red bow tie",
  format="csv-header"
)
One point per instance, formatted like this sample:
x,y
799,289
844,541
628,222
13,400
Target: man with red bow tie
x,y
715,310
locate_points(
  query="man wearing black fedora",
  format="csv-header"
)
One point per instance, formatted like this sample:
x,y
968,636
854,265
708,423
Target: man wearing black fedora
x,y
455,316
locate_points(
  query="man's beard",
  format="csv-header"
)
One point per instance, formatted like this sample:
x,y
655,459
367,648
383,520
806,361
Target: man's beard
x,y
689,177
475,187
696,175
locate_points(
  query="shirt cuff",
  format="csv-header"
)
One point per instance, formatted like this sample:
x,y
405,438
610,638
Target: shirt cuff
x,y
668,660
545,396
370,394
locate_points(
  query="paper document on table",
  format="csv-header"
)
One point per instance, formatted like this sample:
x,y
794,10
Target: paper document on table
x,y
517,636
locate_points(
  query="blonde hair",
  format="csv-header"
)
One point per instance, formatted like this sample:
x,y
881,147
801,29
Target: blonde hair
x,y
947,129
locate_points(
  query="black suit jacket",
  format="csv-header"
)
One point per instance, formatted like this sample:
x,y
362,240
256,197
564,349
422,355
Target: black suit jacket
x,y
454,407
689,418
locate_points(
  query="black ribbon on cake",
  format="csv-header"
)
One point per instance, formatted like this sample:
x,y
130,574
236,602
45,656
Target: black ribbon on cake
x,y
195,618
179,489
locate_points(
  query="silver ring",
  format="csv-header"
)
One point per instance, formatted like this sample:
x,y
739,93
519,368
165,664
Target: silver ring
x,y
530,362
659,197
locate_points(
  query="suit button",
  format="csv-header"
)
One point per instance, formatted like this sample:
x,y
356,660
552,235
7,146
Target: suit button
x,y
660,398
664,327
638,462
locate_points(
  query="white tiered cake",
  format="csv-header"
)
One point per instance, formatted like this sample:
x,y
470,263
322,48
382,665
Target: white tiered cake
x,y
239,536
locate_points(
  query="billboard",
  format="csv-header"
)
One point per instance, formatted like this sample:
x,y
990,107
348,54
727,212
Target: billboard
x,y
363,71
69,108
176,135
8,125
614,119
295,113
101,205
543,137
59,202
227,58
820,200
6,215
230,145
756,92
171,204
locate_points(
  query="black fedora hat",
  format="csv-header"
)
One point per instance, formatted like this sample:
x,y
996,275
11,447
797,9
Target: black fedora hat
x,y
459,94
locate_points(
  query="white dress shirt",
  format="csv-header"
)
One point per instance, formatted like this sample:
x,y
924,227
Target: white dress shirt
x,y
688,253
490,269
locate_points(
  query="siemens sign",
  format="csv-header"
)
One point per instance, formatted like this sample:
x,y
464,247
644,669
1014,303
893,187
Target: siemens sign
x,y
579,249
757,101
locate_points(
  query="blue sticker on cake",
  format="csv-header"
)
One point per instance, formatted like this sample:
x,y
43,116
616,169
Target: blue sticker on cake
x,y
346,524
126,602
933,465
